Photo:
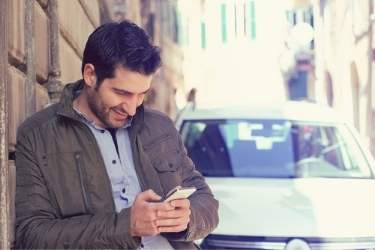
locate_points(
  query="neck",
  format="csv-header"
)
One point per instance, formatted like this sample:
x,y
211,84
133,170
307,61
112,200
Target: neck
x,y
81,104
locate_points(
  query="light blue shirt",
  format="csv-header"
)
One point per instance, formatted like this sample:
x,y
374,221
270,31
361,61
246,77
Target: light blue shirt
x,y
121,171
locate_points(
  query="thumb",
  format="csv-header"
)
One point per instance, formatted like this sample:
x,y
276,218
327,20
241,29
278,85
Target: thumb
x,y
150,195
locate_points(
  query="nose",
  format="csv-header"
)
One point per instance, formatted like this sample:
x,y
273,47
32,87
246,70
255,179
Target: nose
x,y
130,105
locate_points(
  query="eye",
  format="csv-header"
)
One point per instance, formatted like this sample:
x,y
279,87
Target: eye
x,y
122,92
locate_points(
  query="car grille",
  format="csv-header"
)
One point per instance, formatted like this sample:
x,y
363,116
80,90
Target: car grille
x,y
279,243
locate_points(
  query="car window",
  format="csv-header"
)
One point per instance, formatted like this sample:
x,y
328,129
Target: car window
x,y
273,148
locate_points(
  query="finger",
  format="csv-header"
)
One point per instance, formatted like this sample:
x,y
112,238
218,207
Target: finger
x,y
169,222
169,214
177,213
185,203
172,222
161,206
173,229
149,195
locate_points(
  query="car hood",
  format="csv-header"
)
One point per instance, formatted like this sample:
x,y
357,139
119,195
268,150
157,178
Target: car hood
x,y
305,207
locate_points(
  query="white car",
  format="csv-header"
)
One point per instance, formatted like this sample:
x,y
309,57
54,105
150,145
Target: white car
x,y
293,176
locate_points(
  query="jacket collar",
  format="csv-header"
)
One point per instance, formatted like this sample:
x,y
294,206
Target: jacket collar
x,y
65,106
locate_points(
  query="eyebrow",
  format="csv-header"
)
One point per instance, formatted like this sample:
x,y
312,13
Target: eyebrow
x,y
123,91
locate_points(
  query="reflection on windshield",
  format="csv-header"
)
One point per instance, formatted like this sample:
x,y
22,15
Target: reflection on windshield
x,y
273,148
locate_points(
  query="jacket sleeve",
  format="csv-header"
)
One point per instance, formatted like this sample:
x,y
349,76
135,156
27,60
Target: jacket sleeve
x,y
38,224
204,207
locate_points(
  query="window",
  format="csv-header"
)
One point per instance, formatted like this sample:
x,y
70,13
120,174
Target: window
x,y
203,35
169,21
273,149
224,31
251,20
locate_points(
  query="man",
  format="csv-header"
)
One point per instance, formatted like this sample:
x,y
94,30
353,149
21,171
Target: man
x,y
91,170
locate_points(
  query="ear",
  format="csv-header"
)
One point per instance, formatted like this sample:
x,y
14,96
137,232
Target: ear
x,y
89,75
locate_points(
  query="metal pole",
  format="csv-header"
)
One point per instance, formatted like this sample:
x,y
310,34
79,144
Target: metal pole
x,y
30,57
4,168
54,82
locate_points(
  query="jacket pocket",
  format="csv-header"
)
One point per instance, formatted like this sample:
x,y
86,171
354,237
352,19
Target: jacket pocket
x,y
169,172
160,145
168,164
67,177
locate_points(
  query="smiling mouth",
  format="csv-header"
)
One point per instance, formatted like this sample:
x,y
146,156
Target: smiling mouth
x,y
119,113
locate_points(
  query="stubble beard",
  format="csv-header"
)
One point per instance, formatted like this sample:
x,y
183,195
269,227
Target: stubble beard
x,y
99,110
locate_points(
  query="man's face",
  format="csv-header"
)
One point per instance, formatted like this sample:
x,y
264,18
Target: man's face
x,y
116,99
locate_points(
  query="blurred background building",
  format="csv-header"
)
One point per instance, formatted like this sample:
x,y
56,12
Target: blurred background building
x,y
344,55
222,51
230,55
336,66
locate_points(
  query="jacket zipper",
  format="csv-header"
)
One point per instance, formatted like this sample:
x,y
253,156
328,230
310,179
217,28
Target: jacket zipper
x,y
136,157
80,174
100,158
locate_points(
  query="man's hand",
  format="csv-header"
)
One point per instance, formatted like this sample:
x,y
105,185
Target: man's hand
x,y
173,221
143,216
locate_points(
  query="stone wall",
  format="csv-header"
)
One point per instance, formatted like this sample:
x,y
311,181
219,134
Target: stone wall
x,y
76,20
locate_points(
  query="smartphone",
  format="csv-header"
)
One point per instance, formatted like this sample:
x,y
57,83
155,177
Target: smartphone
x,y
179,193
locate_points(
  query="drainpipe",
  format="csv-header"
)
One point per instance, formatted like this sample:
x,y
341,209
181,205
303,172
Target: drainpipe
x,y
4,168
30,57
54,85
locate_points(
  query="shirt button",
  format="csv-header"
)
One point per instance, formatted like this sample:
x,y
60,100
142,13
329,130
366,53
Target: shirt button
x,y
123,190
114,161
142,246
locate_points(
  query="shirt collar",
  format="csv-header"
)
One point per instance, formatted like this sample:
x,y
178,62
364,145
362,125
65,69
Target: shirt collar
x,y
85,119
65,107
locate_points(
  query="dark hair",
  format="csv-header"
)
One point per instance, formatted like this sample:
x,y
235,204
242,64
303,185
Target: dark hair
x,y
120,44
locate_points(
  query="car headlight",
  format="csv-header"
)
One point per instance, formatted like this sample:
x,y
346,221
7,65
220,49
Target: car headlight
x,y
297,244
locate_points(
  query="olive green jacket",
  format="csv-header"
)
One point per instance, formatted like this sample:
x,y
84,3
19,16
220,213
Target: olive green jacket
x,y
63,194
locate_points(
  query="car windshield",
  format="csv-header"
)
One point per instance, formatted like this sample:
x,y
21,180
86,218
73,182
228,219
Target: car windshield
x,y
273,149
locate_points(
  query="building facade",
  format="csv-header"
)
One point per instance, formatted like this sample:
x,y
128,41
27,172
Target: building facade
x,y
42,46
230,55
344,61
